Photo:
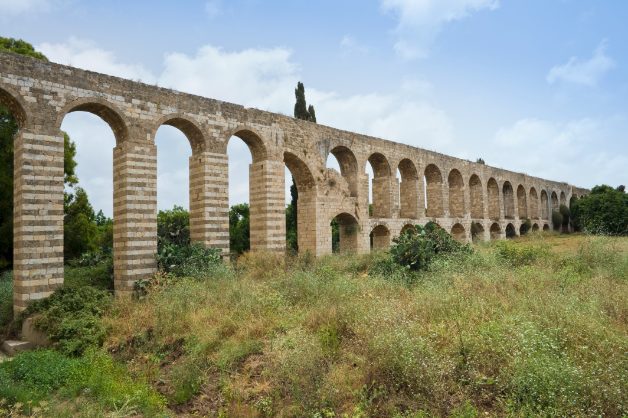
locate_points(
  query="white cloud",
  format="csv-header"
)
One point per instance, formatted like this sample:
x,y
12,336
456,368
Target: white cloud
x,y
17,7
587,73
578,151
213,8
421,20
350,44
87,55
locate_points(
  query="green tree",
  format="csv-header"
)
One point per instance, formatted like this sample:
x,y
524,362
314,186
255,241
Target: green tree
x,y
239,228
79,225
291,219
301,110
173,226
8,129
604,211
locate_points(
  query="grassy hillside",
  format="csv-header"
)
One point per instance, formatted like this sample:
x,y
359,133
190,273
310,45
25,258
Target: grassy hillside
x,y
536,326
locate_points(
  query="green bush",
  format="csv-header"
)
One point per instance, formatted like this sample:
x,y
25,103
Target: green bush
x,y
6,299
557,219
39,375
417,246
173,226
516,254
71,318
604,211
91,269
188,260
525,226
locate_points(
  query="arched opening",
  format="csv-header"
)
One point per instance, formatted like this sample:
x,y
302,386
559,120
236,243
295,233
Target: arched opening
x,y
301,222
477,232
175,139
554,201
563,199
493,199
458,232
522,202
342,158
524,228
406,227
408,189
544,205
535,227
345,238
509,200
546,227
534,204
12,119
433,192
380,186
495,231
247,194
380,238
99,215
476,196
511,232
456,194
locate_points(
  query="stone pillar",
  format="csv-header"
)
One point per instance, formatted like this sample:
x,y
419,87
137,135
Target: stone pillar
x,y
307,222
381,197
268,206
37,216
409,199
209,200
134,214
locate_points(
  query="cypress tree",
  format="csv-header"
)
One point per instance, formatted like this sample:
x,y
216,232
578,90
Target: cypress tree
x,y
300,108
311,113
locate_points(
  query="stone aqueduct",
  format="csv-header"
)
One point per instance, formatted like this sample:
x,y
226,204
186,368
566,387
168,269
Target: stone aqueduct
x,y
450,191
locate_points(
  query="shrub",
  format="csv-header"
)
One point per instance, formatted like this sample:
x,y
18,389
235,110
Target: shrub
x,y
557,219
38,375
71,318
91,269
525,226
6,299
188,260
519,255
173,226
604,211
417,246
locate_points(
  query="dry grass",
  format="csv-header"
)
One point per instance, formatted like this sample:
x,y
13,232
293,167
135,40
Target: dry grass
x,y
538,326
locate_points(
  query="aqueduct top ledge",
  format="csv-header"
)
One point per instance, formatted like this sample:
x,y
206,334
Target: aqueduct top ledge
x,y
43,88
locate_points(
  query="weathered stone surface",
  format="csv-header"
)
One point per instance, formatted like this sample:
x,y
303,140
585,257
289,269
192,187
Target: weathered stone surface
x,y
452,192
32,335
12,347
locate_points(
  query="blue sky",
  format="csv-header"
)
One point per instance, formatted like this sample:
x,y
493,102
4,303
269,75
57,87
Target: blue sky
x,y
534,86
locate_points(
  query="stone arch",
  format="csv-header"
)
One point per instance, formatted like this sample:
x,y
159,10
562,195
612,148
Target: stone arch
x,y
509,200
544,205
348,167
380,237
554,198
495,231
546,227
408,189
306,202
406,227
458,232
563,199
477,232
380,185
348,231
15,104
522,202
511,231
476,197
456,194
187,126
433,191
102,108
535,227
524,228
493,199
534,204
253,140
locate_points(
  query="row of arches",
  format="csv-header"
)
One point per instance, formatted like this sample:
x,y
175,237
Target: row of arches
x,y
424,193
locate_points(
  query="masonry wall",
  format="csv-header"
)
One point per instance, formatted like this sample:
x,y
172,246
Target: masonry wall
x,y
434,187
